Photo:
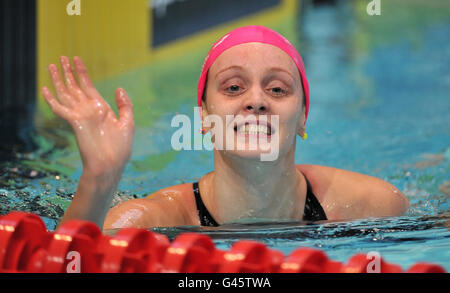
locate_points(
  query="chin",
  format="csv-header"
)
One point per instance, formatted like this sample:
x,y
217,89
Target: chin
x,y
252,155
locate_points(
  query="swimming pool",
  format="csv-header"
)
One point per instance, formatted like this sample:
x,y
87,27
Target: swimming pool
x,y
379,105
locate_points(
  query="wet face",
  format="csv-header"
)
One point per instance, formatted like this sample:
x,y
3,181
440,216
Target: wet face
x,y
254,81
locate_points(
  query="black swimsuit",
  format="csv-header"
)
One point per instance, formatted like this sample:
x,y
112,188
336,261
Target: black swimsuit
x,y
313,210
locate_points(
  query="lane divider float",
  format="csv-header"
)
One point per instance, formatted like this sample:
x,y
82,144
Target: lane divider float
x,y
79,246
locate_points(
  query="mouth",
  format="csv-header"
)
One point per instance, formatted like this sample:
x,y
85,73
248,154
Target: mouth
x,y
254,128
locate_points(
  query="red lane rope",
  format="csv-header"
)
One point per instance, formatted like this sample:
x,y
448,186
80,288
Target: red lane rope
x,y
79,246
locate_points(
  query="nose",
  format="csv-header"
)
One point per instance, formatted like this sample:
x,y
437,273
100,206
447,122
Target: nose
x,y
256,103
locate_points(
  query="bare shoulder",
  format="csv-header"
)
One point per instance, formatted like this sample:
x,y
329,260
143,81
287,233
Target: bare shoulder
x,y
350,195
171,206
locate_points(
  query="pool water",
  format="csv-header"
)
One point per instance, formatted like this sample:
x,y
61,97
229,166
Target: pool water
x,y
400,240
379,105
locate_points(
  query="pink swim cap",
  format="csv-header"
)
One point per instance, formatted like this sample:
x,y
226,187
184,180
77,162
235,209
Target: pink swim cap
x,y
249,34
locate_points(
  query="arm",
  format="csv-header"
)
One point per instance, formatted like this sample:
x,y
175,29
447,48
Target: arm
x,y
104,140
168,207
136,213
93,197
374,197
383,199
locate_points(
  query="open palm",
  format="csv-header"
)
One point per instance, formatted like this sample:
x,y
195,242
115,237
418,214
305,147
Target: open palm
x,y
104,140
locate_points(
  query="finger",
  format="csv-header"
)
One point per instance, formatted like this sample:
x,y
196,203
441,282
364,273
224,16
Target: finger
x,y
61,90
56,107
85,81
125,107
71,82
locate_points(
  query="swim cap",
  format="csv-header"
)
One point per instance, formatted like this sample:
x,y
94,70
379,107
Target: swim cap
x,y
249,34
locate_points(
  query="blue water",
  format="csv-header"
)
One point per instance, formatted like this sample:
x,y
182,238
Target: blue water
x,y
379,105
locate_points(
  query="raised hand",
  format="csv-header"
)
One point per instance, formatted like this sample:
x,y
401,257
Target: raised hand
x,y
104,140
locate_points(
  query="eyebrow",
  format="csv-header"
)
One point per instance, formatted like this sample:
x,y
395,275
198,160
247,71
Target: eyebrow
x,y
272,69
228,68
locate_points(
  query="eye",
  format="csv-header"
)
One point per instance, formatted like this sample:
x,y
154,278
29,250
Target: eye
x,y
233,89
278,91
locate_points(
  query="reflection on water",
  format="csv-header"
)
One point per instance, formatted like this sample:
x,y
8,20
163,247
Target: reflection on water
x,y
376,229
379,105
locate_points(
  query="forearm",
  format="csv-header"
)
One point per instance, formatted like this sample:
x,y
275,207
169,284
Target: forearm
x,y
93,198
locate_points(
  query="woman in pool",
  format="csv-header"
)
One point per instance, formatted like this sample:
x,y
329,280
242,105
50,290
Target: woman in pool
x,y
252,71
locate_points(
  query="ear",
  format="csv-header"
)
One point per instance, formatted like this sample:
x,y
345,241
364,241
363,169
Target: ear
x,y
301,128
302,131
204,114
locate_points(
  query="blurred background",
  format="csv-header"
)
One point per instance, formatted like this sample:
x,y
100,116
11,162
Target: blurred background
x,y
379,89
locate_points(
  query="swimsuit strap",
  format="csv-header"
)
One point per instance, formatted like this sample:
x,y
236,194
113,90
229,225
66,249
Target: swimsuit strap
x,y
205,217
313,210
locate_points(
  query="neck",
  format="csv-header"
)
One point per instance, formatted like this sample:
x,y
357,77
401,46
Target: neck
x,y
248,188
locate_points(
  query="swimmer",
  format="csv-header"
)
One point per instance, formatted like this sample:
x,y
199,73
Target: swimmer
x,y
251,71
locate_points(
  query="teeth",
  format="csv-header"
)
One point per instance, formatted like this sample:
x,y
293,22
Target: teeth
x,y
253,129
